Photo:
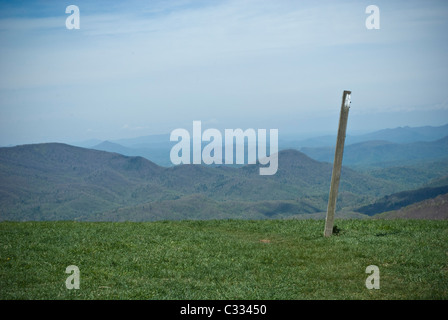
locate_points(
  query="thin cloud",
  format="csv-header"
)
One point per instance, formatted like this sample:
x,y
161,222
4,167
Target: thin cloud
x,y
170,62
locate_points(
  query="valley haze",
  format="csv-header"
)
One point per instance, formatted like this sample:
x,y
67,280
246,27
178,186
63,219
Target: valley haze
x,y
56,181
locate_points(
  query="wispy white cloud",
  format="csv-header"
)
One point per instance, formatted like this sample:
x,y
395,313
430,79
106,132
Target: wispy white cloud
x,y
30,24
162,60
122,45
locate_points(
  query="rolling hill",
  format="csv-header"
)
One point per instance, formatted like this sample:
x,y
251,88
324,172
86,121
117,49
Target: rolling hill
x,y
402,199
423,173
434,209
55,181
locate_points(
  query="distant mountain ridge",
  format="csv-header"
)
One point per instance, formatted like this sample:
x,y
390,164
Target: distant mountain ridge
x,y
117,148
396,135
406,134
158,153
383,153
157,147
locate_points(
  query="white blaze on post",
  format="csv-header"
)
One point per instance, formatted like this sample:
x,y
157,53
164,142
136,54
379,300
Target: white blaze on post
x,y
337,164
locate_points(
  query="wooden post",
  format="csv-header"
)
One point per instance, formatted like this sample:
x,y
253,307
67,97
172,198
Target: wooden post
x,y
337,164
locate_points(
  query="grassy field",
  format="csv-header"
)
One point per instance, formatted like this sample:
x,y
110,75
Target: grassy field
x,y
224,259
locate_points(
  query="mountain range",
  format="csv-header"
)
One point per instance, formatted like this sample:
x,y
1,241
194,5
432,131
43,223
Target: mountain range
x,y
384,153
56,181
396,135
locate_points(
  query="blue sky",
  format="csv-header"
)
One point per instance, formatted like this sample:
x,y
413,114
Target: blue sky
x,y
136,68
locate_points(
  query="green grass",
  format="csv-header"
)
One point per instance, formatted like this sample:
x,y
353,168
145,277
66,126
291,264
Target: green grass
x,y
224,259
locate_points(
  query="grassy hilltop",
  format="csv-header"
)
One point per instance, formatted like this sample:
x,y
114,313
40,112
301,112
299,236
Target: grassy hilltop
x,y
224,259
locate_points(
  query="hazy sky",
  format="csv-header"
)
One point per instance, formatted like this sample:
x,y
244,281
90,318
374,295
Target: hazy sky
x,y
136,68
